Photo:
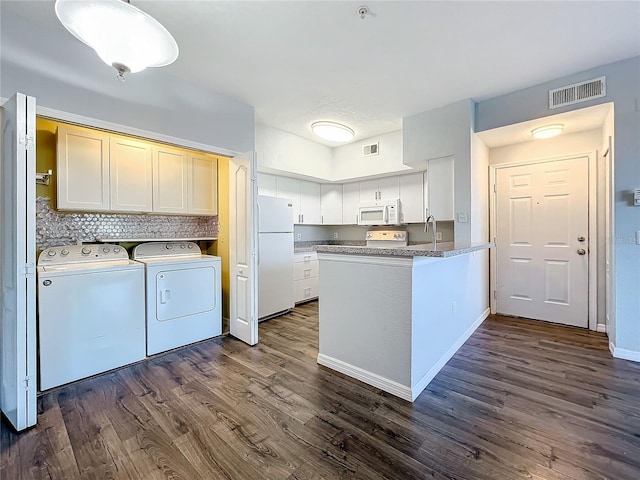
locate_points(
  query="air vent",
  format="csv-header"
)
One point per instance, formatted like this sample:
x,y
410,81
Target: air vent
x,y
368,150
578,92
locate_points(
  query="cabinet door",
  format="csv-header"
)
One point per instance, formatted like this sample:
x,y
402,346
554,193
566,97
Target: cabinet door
x,y
331,204
350,202
170,180
369,191
290,188
388,188
441,198
267,185
412,197
130,175
310,203
83,170
203,185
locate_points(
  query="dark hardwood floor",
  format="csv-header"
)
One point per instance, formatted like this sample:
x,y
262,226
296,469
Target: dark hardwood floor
x,y
521,399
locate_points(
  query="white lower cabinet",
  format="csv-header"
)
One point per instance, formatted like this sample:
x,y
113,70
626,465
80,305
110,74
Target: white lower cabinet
x,y
305,276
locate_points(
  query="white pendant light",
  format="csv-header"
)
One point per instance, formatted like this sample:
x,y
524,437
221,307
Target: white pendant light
x,y
548,131
332,131
122,35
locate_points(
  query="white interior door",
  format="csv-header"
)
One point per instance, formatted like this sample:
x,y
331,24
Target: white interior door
x,y
17,257
542,241
243,231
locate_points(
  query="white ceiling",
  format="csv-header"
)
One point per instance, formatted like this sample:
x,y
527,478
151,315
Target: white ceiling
x,y
301,61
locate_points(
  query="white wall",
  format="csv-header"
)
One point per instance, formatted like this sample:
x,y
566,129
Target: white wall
x,y
350,164
445,132
284,153
623,89
76,81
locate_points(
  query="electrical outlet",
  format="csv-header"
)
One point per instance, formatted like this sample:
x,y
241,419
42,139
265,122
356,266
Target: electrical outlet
x,y
438,235
299,236
335,235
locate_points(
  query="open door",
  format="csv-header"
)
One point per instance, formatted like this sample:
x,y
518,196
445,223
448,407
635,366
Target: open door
x,y
17,262
243,232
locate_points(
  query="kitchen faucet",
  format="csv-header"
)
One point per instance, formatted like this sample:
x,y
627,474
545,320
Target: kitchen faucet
x,y
432,219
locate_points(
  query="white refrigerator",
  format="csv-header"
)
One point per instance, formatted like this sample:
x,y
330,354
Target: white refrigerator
x,y
275,256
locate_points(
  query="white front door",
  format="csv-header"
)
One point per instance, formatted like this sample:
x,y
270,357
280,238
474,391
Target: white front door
x,y
17,262
542,241
243,230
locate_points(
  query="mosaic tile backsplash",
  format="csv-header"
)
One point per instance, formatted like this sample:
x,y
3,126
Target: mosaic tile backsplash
x,y
57,228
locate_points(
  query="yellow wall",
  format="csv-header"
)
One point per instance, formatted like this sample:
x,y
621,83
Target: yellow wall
x,y
46,145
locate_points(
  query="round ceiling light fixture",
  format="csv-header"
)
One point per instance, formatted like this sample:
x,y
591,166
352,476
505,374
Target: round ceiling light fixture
x,y
122,35
548,131
332,131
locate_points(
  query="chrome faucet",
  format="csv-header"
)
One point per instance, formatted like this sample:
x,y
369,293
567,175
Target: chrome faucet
x,y
431,219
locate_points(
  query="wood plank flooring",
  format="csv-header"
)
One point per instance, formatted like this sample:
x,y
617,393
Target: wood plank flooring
x,y
521,399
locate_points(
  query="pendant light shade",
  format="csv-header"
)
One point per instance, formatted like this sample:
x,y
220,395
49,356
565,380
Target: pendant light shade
x,y
332,131
122,35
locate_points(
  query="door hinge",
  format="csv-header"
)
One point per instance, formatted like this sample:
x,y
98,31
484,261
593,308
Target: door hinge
x,y
495,294
29,270
27,382
495,187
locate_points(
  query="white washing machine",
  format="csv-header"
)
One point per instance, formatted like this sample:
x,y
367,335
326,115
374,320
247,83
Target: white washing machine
x,y
91,314
184,294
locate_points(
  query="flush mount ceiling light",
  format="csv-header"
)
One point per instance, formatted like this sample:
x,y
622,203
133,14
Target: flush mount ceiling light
x,y
547,131
122,35
332,131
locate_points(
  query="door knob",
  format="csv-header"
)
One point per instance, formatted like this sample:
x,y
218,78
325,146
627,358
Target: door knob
x,y
581,251
581,239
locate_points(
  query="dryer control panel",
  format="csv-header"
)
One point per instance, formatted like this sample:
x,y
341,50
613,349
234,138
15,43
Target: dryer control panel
x,y
165,249
102,252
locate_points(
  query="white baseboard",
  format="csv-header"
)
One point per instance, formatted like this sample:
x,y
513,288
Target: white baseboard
x,y
601,327
367,377
395,388
433,371
624,354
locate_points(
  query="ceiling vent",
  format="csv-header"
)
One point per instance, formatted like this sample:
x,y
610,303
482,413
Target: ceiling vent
x,y
372,149
578,92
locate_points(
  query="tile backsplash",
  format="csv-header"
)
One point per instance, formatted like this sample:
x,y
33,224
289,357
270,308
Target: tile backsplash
x,y
60,228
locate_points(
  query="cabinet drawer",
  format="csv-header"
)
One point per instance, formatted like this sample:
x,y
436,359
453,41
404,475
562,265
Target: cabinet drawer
x,y
305,257
306,289
302,270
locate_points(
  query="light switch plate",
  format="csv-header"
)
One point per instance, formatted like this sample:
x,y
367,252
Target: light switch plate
x,y
462,217
335,235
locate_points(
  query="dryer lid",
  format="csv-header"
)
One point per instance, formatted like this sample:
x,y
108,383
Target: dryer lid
x,y
166,249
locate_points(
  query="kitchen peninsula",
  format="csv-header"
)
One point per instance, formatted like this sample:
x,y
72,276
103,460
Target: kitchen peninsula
x,y
393,317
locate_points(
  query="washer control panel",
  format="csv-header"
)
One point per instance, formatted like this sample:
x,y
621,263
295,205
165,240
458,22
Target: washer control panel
x,y
165,249
100,252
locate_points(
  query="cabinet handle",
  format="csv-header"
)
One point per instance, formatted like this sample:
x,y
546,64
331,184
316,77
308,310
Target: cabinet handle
x,y
302,217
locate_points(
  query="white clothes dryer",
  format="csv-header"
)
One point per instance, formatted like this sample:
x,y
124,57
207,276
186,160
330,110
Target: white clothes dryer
x,y
183,294
90,312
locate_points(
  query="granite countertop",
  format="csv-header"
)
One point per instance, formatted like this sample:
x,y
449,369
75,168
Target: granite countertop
x,y
440,250
309,246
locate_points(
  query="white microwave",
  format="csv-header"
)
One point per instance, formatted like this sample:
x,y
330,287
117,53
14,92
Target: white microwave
x,y
384,213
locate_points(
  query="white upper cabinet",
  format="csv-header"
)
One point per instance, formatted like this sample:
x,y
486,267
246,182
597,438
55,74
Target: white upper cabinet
x,y
412,198
310,203
290,188
379,190
267,185
82,170
130,175
101,172
203,185
350,203
439,188
305,197
331,204
170,183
